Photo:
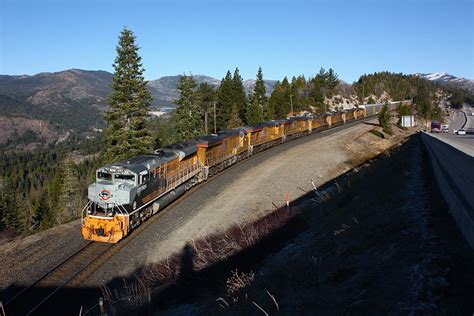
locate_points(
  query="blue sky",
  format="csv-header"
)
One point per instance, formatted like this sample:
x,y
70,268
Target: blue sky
x,y
286,38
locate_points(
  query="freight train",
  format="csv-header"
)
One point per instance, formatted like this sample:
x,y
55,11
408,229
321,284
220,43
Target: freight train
x,y
126,193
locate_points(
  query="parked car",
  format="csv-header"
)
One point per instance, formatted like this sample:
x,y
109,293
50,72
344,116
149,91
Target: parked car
x,y
461,132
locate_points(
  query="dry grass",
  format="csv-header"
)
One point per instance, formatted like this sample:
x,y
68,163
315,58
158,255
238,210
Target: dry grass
x,y
202,253
241,301
238,281
129,299
215,248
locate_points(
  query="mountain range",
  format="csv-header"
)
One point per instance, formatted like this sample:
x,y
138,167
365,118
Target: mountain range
x,y
73,100
164,89
445,78
92,87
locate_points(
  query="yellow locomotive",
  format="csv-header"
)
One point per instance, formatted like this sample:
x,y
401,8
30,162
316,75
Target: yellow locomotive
x,y
128,192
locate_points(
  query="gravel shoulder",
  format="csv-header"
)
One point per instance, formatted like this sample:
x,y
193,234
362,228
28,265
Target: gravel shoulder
x,y
242,193
27,259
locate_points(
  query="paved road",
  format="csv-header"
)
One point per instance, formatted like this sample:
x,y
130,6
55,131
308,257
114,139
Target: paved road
x,y
457,119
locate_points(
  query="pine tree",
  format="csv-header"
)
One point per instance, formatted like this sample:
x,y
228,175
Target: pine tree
x,y
127,133
280,99
69,204
44,213
384,118
10,214
238,95
23,216
189,118
224,101
259,98
53,194
207,95
319,89
40,211
254,113
259,91
423,101
3,203
234,120
331,82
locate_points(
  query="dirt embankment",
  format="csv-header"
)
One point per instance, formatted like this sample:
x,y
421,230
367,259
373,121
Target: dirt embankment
x,y
385,244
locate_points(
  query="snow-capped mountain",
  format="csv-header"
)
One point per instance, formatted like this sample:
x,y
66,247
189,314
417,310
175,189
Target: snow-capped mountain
x,y
444,77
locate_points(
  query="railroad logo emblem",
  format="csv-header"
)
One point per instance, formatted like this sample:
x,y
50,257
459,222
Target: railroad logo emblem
x,y
105,195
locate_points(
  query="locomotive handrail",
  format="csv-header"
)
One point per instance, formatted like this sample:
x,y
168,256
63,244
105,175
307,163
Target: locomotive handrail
x,y
84,210
122,211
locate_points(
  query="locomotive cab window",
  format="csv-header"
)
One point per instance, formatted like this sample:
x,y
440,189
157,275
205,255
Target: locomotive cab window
x,y
125,177
104,176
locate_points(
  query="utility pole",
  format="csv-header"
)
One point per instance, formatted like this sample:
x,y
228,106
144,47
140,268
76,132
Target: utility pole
x,y
215,123
291,104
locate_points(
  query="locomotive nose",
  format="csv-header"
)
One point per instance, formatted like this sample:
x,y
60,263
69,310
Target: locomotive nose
x,y
102,194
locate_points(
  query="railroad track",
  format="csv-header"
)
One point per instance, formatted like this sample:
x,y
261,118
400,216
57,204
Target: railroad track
x,y
31,298
37,298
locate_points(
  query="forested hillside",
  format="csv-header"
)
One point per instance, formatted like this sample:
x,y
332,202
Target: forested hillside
x,y
426,94
34,186
47,185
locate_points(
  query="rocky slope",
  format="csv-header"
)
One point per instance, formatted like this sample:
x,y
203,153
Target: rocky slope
x,y
71,99
25,133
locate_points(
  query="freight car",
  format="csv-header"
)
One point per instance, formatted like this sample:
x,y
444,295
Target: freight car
x,y
128,192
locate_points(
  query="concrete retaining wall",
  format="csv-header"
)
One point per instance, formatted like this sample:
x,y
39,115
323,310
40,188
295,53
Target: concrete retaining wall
x,y
454,172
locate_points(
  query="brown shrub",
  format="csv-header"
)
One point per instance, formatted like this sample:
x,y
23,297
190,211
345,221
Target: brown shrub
x,y
215,248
